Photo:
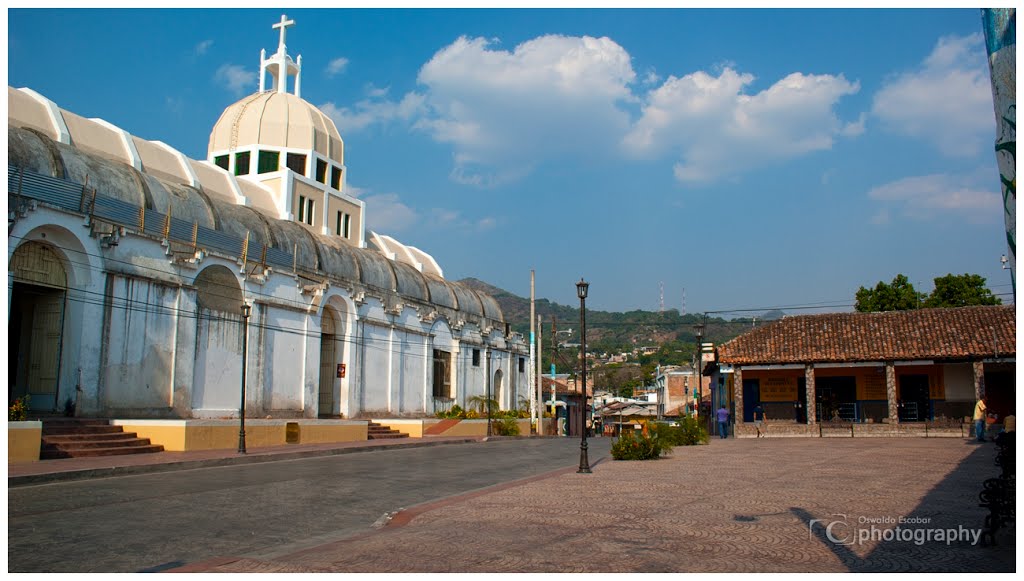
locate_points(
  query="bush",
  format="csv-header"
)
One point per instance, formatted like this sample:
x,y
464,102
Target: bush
x,y
642,447
505,427
18,412
689,432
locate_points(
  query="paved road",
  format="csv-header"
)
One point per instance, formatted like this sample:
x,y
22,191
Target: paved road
x,y
159,521
772,505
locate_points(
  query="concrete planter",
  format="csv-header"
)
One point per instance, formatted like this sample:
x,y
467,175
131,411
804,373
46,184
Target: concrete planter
x,y
24,440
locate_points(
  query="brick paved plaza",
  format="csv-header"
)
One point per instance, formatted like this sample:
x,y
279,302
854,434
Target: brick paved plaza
x,y
734,505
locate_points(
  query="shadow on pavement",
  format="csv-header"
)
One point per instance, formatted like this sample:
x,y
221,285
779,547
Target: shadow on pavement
x,y
941,534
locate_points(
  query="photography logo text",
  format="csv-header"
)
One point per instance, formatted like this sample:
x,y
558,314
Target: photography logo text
x,y
843,530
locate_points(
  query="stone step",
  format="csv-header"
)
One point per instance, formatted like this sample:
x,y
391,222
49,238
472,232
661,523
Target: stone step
x,y
78,437
375,431
79,429
65,421
71,438
72,445
386,436
108,451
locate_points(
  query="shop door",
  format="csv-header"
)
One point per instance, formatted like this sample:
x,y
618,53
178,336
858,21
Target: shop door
x,y
751,397
915,405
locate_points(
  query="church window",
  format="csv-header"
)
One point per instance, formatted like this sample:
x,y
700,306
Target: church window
x,y
335,177
297,163
269,161
221,161
309,211
346,224
522,365
242,163
321,171
337,225
302,208
476,358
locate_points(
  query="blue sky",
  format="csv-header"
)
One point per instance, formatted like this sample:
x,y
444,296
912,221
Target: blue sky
x,y
753,157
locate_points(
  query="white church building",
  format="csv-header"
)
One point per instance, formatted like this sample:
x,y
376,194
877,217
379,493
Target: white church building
x,y
143,284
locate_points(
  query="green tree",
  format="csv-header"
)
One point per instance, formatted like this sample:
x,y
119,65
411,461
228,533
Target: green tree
x,y
960,291
899,295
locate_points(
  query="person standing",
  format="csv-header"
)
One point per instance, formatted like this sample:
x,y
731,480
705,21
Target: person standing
x,y
723,422
979,419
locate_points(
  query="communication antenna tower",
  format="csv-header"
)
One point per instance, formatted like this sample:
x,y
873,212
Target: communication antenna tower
x,y
683,314
661,297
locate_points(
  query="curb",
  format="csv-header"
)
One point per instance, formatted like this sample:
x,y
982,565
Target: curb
x,y
257,458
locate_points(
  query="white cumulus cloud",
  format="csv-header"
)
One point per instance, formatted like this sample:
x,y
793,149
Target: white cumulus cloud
x,y
503,112
926,197
373,111
719,130
336,66
202,47
946,102
387,213
235,78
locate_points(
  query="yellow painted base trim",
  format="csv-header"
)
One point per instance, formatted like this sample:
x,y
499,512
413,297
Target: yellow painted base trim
x,y
190,435
467,428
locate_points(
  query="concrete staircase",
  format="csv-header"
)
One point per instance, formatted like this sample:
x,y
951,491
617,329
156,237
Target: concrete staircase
x,y
76,438
375,431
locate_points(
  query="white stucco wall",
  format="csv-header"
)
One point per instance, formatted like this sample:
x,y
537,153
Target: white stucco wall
x,y
132,335
138,367
283,346
959,381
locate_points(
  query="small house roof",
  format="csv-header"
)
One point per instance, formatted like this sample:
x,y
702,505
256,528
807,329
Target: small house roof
x,y
952,333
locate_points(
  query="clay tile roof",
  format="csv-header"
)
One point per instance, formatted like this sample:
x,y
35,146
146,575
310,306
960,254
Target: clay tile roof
x,y
965,332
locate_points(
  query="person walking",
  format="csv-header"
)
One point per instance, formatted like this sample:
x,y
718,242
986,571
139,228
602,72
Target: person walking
x,y
979,419
723,422
759,419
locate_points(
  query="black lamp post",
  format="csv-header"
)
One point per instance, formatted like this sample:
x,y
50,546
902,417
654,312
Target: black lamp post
x,y
246,309
581,290
698,331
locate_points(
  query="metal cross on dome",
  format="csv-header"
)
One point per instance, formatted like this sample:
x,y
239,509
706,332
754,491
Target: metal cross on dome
x,y
283,25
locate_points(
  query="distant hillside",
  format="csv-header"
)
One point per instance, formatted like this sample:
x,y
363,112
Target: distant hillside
x,y
607,330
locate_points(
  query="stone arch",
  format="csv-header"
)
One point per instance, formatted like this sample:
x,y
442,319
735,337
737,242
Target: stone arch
x,y
331,338
217,289
498,388
218,363
38,301
444,388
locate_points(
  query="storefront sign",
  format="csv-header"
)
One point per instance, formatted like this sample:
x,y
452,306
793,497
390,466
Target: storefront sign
x,y
778,389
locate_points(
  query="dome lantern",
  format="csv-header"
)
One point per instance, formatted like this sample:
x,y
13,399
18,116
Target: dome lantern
x,y
280,65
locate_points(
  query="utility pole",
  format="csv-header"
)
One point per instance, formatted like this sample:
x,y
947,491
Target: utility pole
x,y
538,394
530,383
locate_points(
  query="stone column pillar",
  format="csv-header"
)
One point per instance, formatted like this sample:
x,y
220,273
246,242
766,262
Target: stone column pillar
x,y
737,389
812,397
979,380
890,392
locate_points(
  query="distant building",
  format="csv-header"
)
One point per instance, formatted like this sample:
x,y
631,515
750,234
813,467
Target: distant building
x,y
675,386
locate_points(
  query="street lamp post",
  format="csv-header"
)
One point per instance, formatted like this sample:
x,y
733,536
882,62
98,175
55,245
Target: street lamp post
x,y
581,290
246,309
698,331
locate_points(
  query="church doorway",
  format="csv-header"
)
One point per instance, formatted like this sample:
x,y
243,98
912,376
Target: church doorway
x,y
36,324
328,363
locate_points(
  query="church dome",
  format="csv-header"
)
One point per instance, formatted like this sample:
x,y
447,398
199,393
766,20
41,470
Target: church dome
x,y
277,119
